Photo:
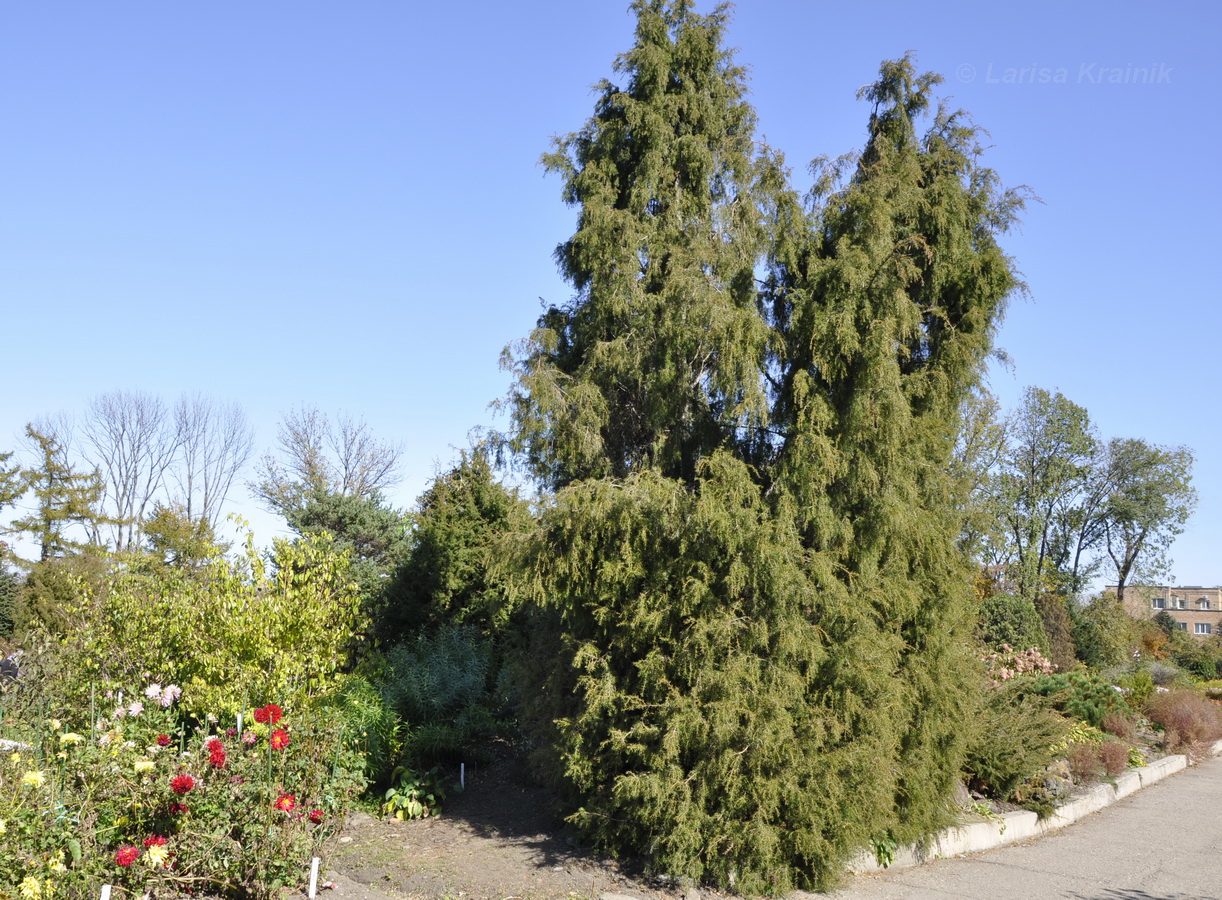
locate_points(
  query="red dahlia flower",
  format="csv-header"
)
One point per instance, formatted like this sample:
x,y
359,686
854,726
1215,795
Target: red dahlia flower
x,y
125,856
179,809
316,816
269,715
279,739
163,740
182,784
286,802
154,840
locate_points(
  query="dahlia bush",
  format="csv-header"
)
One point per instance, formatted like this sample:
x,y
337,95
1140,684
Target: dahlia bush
x,y
151,802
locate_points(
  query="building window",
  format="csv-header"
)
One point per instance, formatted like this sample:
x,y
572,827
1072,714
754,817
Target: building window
x,y
1158,603
1203,628
1182,626
1177,602
1203,603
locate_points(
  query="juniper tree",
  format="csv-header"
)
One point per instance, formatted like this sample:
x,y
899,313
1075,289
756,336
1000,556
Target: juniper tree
x,y
756,657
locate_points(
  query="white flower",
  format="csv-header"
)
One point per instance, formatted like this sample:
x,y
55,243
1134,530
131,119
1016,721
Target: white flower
x,y
171,693
153,691
136,708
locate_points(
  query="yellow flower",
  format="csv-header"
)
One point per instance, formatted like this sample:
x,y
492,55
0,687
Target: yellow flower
x,y
56,724
33,779
156,856
15,758
70,737
62,754
58,866
29,888
3,827
143,765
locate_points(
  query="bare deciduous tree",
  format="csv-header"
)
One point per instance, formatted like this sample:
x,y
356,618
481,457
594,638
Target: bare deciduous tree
x,y
214,442
313,455
130,439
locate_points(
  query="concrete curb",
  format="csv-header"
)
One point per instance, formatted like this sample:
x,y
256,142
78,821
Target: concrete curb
x,y
973,837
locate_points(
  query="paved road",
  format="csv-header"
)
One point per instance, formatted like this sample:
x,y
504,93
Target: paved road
x,y
1163,843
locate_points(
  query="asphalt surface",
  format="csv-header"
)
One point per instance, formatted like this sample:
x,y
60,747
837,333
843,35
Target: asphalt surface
x,y
1162,843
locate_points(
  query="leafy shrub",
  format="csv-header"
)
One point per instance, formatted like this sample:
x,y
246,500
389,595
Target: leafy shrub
x,y
369,723
1013,740
1008,663
1081,694
229,632
1188,719
1165,674
412,795
1138,687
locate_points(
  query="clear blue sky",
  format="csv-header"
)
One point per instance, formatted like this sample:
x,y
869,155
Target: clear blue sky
x,y
339,205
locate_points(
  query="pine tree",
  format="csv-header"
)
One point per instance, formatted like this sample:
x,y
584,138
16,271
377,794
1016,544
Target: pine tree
x,y
64,498
752,606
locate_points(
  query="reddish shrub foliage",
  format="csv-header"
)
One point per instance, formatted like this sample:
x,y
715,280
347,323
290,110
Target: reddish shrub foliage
x,y
1120,725
1190,722
1115,757
1084,763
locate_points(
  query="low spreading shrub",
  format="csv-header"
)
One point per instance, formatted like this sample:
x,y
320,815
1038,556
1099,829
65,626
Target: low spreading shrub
x,y
1014,739
1081,694
1189,721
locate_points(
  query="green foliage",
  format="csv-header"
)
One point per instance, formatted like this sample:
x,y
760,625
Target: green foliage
x,y
369,723
1013,740
10,593
1104,634
442,687
412,795
747,574
451,574
174,538
1013,620
64,498
374,537
1058,626
1139,687
1083,695
230,632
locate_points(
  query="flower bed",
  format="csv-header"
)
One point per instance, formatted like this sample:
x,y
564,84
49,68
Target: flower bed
x,y
151,802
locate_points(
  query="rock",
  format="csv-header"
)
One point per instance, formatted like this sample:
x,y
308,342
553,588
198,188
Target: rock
x,y
691,894
617,897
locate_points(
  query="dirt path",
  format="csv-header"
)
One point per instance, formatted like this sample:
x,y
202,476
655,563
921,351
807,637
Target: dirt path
x,y
496,840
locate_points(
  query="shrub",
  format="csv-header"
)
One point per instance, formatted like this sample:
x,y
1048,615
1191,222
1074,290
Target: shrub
x,y
1011,620
1114,755
1013,740
1081,694
1118,724
228,631
442,687
1188,719
1084,763
1138,687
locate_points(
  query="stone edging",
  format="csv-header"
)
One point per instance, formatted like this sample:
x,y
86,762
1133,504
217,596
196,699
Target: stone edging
x,y
1022,825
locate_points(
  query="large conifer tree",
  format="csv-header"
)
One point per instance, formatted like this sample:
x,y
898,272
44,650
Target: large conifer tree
x,y
758,660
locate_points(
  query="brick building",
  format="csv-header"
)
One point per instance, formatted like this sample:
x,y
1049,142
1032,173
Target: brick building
x,y
1197,610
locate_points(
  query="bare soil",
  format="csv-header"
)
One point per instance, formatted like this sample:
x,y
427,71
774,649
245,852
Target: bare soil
x,y
498,839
